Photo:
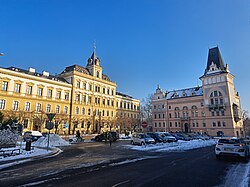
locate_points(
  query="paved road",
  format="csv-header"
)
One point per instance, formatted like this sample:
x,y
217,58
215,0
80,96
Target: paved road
x,y
191,168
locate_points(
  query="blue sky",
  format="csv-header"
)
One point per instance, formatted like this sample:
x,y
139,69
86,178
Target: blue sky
x,y
141,43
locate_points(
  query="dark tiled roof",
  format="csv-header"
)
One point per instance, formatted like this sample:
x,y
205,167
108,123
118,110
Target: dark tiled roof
x,y
214,56
51,77
188,92
123,95
77,68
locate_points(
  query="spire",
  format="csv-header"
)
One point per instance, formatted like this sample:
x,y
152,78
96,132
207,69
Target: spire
x,y
215,60
94,60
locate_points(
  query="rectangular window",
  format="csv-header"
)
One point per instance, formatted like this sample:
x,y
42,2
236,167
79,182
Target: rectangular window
x,y
25,123
222,113
217,113
169,107
58,94
155,124
223,123
57,109
170,124
82,124
18,88
159,124
163,124
29,90
66,96
176,124
48,108
212,113
27,106
4,86
40,91
15,105
38,107
214,124
49,93
78,84
65,110
77,110
204,124
2,104
159,116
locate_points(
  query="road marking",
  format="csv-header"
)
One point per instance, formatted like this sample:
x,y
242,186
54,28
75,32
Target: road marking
x,y
120,183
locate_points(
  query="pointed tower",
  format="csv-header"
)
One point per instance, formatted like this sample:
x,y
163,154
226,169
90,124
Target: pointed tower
x,y
221,101
93,65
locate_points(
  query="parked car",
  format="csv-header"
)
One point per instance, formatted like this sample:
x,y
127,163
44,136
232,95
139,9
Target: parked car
x,y
233,147
105,136
156,137
32,135
167,137
141,139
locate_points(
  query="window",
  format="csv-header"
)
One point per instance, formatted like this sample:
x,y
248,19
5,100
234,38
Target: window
x,y
103,90
222,113
170,124
40,91
219,125
214,124
176,125
78,84
58,94
38,107
197,124
155,124
2,104
83,111
25,123
49,93
66,96
29,90
4,86
223,123
159,116
163,115
217,113
66,110
89,111
170,115
77,110
159,124
78,97
163,124
89,99
169,107
212,113
204,124
155,116
18,88
57,109
48,108
82,124
15,105
27,106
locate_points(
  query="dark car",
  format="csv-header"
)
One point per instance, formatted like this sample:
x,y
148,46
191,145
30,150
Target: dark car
x,y
156,137
106,136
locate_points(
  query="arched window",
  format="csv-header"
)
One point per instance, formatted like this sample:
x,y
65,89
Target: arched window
x,y
216,98
194,111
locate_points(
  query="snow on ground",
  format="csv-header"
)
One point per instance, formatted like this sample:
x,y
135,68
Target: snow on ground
x,y
23,155
174,146
54,141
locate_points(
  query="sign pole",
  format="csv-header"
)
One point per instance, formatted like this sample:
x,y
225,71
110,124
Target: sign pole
x,y
48,142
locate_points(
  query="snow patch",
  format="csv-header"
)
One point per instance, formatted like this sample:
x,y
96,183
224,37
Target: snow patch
x,y
54,141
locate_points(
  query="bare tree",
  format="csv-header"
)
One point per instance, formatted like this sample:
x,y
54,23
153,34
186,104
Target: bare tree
x,y
146,109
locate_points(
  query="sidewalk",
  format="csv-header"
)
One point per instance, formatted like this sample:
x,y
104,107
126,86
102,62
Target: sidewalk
x,y
38,153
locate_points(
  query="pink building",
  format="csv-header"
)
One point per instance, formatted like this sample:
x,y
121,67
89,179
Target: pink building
x,y
213,108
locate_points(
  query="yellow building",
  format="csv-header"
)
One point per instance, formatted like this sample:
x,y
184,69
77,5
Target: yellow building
x,y
83,98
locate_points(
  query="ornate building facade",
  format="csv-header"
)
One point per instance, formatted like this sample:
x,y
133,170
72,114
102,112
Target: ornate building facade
x,y
83,98
213,108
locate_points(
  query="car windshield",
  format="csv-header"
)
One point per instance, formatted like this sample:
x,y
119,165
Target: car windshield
x,y
229,141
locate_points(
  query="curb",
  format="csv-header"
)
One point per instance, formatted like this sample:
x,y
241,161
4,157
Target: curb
x,y
9,163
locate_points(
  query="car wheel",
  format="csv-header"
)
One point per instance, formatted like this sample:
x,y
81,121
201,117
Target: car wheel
x,y
218,157
142,143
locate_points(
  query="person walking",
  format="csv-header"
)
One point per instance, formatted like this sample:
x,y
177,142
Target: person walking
x,y
110,139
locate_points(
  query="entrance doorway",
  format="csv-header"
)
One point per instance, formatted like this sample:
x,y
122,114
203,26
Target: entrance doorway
x,y
186,129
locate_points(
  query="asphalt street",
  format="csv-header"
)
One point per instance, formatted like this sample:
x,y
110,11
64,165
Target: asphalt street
x,y
97,164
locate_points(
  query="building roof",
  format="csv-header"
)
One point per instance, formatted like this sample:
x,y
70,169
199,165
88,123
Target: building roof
x,y
188,92
124,95
45,75
76,68
214,56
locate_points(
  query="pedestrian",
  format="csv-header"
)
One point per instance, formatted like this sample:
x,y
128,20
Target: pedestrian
x,y
110,139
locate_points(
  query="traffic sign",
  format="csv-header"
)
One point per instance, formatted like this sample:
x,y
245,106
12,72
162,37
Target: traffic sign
x,y
51,116
144,124
49,125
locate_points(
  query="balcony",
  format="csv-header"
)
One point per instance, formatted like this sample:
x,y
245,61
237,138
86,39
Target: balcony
x,y
216,107
185,118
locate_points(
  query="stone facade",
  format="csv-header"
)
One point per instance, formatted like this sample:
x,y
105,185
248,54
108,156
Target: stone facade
x,y
83,98
213,108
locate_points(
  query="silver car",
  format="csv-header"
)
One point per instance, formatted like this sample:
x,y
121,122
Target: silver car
x,y
141,139
233,147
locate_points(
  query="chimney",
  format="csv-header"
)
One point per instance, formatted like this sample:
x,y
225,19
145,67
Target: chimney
x,y
45,73
32,70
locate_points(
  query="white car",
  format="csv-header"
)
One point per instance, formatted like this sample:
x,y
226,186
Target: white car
x,y
141,139
233,147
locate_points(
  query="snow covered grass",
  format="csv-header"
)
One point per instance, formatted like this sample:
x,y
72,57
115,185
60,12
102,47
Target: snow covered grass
x,y
174,146
54,141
